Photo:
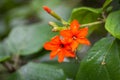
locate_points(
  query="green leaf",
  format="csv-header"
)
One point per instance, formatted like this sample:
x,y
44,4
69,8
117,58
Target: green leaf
x,y
86,15
28,40
69,68
102,61
112,24
107,2
38,71
3,53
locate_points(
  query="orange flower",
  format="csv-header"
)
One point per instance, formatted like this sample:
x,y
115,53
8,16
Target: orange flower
x,y
75,35
60,48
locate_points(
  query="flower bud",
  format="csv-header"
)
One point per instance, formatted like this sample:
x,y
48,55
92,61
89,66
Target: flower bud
x,y
47,9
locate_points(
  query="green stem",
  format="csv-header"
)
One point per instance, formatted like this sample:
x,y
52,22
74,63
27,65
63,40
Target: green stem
x,y
57,28
8,66
16,61
56,16
78,58
91,24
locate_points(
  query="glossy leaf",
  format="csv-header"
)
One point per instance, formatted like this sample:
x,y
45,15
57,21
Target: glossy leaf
x,y
26,40
69,68
112,24
38,71
102,61
85,14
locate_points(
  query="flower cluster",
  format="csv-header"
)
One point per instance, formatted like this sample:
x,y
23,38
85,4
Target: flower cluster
x,y
65,44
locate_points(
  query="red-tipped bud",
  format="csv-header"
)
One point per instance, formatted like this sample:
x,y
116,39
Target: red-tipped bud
x,y
47,9
52,13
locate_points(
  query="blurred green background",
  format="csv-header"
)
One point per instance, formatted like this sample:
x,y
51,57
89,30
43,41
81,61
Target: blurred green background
x,y
27,12
24,21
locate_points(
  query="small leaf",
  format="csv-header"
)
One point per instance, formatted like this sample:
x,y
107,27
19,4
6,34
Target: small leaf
x,y
86,15
38,71
28,40
102,61
107,2
112,24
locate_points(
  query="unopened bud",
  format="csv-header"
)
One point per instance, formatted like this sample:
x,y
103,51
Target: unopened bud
x,y
52,13
47,9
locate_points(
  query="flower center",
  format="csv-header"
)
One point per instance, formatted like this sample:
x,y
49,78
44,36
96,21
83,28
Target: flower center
x,y
62,45
74,37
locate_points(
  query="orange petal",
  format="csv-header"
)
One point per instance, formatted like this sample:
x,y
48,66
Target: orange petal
x,y
69,53
53,54
82,32
74,45
68,47
66,40
60,56
53,44
65,33
56,40
74,26
83,41
50,46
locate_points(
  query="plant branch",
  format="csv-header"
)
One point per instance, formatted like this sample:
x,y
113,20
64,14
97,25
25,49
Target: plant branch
x,y
91,24
16,61
8,66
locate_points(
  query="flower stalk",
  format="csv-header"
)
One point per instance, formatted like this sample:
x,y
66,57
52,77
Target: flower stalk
x,y
56,27
93,23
